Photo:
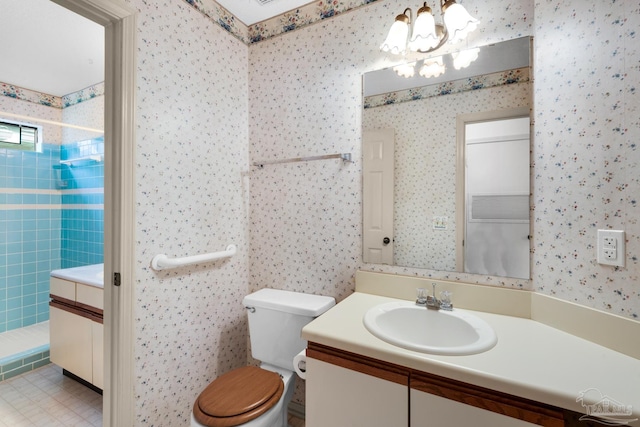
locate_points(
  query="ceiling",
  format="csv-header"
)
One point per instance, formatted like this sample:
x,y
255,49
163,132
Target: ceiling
x,y
56,59
252,11
68,56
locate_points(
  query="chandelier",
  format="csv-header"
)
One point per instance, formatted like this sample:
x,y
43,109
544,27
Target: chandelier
x,y
426,35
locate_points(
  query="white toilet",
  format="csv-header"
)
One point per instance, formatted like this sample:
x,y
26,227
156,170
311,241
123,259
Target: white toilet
x,y
258,397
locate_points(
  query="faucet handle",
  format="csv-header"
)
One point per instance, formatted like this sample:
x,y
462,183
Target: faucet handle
x,y
445,300
421,296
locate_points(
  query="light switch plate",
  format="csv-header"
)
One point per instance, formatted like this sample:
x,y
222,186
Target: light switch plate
x,y
611,247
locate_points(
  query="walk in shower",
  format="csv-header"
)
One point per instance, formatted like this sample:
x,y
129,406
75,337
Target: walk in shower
x,y
51,212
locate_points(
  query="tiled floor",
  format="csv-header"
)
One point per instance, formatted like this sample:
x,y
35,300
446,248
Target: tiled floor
x,y
44,397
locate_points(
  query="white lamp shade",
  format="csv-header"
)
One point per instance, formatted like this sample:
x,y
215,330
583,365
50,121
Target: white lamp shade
x,y
464,58
424,35
432,67
459,23
405,70
396,41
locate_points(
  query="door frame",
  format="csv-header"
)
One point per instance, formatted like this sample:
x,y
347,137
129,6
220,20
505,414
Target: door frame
x,y
119,21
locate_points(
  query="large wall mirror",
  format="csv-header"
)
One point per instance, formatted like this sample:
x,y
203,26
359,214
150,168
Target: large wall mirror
x,y
446,162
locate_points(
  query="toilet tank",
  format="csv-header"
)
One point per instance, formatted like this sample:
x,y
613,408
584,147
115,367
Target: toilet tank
x,y
276,319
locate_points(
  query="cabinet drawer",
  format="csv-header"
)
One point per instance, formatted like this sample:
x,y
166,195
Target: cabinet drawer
x,y
63,288
90,295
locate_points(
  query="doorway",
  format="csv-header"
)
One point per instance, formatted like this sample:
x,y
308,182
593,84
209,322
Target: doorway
x,y
119,199
119,25
493,180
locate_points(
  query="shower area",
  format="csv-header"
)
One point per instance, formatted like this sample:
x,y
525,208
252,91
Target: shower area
x,y
51,212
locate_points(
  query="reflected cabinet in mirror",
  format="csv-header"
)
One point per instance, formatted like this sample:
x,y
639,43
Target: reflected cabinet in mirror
x,y
446,164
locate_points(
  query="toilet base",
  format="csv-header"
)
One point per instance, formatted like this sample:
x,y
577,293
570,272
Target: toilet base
x,y
276,416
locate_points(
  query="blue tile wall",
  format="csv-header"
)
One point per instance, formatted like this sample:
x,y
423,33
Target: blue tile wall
x,y
51,216
82,229
29,234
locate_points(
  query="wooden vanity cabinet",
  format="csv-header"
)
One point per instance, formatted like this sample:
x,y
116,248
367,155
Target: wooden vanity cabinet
x,y
76,329
348,389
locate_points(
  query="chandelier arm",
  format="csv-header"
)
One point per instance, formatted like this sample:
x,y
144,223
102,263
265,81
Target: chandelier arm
x,y
410,14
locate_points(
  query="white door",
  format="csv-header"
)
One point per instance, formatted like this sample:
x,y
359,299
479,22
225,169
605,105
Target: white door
x,y
377,195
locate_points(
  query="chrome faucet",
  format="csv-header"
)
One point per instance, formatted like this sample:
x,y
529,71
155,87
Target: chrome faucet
x,y
432,302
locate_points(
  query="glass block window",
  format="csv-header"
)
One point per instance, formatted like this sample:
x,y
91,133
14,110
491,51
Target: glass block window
x,y
20,136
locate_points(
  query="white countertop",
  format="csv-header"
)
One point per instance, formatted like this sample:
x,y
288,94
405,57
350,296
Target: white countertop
x,y
530,360
92,275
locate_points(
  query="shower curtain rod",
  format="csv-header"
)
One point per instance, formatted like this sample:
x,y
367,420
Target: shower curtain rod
x,y
50,122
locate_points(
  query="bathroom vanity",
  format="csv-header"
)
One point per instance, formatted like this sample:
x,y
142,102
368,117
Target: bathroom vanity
x,y
76,322
535,375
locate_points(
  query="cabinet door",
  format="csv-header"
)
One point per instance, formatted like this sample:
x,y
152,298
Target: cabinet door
x,y
442,402
336,396
70,343
428,410
98,354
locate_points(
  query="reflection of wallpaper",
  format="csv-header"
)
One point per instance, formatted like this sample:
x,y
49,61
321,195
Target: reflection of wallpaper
x,y
520,75
425,167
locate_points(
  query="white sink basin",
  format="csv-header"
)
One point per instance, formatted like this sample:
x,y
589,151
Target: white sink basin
x,y
417,328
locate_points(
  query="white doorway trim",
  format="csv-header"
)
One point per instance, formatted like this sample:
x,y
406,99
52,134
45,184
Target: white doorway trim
x,y
119,21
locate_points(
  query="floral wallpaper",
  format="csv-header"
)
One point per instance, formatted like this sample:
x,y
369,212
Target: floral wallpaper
x,y
520,75
192,198
40,98
584,150
295,19
17,92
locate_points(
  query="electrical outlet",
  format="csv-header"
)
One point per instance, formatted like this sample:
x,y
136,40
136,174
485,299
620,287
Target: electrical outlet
x,y
611,244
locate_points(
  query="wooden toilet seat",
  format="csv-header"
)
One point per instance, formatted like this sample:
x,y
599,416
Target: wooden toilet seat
x,y
238,397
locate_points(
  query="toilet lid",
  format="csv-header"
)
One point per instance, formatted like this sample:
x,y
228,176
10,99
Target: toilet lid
x,y
238,397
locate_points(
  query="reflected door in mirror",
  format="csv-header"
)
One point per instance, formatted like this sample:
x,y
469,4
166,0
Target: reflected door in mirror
x,y
377,195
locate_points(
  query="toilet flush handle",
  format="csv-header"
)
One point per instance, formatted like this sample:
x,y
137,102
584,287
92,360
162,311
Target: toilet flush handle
x,y
251,309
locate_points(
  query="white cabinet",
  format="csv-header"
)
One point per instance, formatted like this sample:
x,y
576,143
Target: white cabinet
x,y
337,396
97,334
428,410
76,330
71,343
346,389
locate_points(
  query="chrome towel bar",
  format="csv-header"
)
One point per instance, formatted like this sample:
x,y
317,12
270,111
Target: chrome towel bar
x,y
346,157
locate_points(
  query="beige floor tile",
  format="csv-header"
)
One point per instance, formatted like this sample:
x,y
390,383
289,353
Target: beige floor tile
x,y
45,397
